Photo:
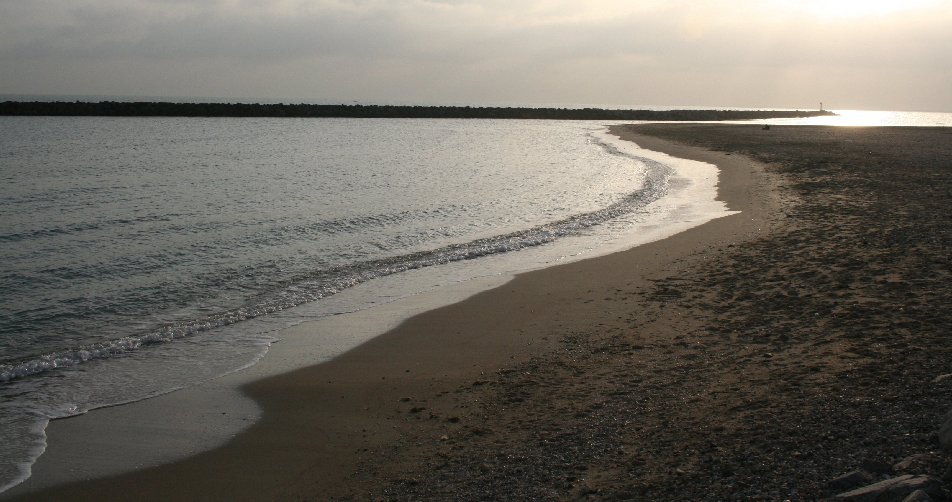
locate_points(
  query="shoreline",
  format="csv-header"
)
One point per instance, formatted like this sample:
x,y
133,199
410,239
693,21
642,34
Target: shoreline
x,y
203,416
759,355
480,355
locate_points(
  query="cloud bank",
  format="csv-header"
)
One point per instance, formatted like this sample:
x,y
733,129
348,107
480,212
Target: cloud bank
x,y
872,55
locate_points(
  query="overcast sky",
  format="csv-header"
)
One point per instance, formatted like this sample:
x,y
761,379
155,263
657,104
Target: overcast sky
x,y
864,54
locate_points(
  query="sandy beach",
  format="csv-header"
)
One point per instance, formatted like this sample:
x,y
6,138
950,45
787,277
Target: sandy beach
x,y
758,356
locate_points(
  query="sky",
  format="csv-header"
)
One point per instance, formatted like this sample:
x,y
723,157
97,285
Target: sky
x,y
849,54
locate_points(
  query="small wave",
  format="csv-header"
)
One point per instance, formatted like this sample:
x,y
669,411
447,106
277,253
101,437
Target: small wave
x,y
323,283
350,225
82,227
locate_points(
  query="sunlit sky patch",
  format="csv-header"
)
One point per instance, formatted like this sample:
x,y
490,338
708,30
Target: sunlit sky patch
x,y
844,9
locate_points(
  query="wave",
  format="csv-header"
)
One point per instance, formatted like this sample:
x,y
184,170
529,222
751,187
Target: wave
x,y
323,283
83,227
284,233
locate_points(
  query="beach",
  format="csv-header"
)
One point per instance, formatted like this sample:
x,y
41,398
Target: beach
x,y
757,356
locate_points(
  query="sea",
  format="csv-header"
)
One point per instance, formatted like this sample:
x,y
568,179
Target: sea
x,y
140,256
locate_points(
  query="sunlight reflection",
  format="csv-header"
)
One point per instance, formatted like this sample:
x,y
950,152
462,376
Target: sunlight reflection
x,y
869,118
857,118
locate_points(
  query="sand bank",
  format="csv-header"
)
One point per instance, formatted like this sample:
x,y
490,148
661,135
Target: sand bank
x,y
758,355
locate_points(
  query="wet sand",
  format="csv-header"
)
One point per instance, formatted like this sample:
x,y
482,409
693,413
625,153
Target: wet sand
x,y
756,356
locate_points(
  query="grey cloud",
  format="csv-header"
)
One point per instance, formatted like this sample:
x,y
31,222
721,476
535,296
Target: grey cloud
x,y
452,50
101,34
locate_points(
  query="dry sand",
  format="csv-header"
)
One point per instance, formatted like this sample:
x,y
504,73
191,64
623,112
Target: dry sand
x,y
756,356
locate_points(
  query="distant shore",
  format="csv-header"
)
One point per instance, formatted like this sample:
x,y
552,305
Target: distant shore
x,y
758,356
166,109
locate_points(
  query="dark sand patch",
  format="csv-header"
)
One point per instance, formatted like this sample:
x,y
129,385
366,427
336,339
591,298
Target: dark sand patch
x,y
760,370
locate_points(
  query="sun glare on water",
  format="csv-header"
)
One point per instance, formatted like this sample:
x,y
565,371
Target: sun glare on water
x,y
854,118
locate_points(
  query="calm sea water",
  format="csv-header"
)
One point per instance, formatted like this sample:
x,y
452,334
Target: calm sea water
x,y
142,255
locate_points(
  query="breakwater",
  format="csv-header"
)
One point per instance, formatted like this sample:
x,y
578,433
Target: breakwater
x,y
168,109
